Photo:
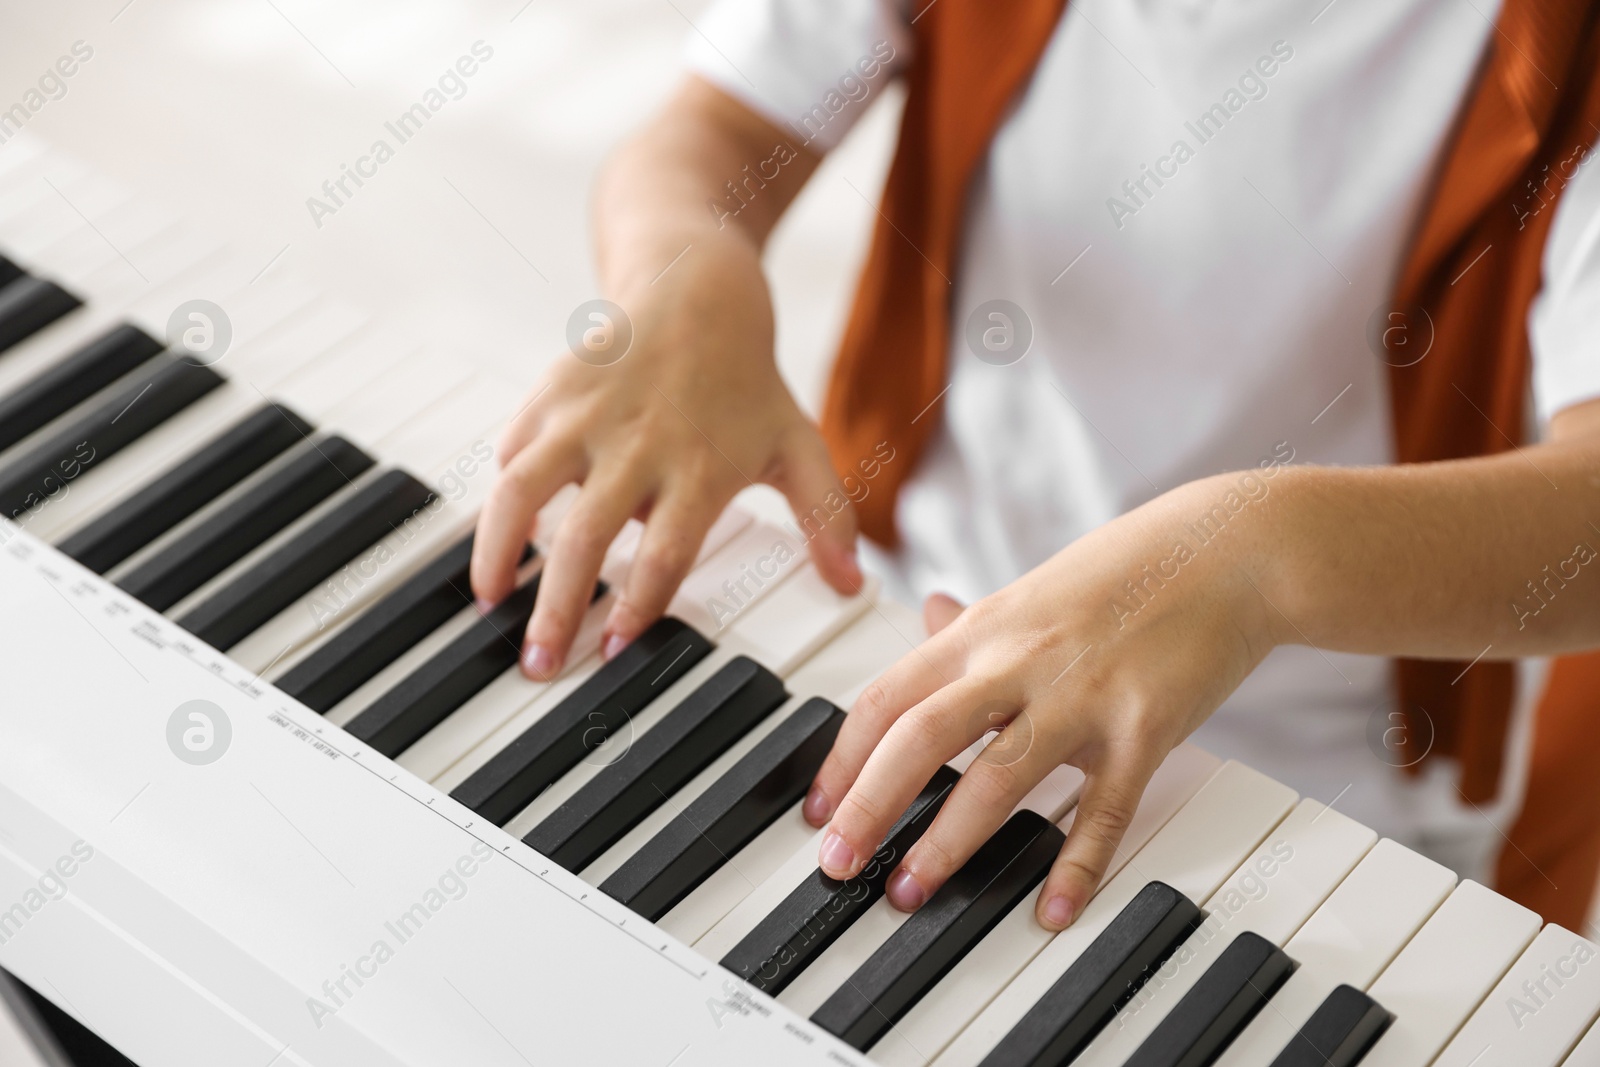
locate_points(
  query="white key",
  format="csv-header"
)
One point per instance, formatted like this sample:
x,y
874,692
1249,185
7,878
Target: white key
x,y
1443,973
801,612
449,753
1199,847
619,853
21,1035
940,1016
758,902
383,566
801,616
1052,799
356,585
1351,938
172,263
147,458
754,906
414,657
1538,1011
261,312
856,945
764,643
442,755
109,300
297,623
518,705
618,743
732,522
441,429
60,208
736,578
25,190
22,149
311,332
88,494
1272,894
878,639
884,631
334,375
112,240
83,252
1587,1054
35,216
133,467
350,591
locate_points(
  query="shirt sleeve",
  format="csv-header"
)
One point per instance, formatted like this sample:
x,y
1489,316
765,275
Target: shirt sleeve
x,y
807,66
1564,323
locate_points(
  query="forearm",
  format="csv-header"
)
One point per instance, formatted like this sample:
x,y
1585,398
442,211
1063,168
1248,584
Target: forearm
x,y
1437,560
667,189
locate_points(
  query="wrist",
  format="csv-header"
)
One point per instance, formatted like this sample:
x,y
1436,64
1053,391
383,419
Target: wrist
x,y
638,262
1244,523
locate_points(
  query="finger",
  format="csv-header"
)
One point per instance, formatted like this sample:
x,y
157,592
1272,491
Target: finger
x,y
506,521
1110,797
939,611
567,583
812,488
990,789
910,681
677,525
913,748
522,429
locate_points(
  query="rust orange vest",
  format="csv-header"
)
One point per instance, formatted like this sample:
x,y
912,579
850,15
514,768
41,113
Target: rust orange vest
x,y
1535,99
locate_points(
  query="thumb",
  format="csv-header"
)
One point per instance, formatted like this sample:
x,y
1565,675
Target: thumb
x,y
939,611
807,481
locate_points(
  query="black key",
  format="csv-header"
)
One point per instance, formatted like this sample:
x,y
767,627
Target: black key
x,y
381,633
161,389
680,746
195,481
311,474
1339,1033
370,513
426,697
1204,1023
765,783
578,725
1099,982
73,380
9,272
959,914
29,304
812,917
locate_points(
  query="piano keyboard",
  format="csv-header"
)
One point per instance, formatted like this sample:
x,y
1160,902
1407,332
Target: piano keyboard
x,y
304,506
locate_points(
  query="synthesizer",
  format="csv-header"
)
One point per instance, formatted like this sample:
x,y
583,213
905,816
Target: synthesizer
x,y
273,791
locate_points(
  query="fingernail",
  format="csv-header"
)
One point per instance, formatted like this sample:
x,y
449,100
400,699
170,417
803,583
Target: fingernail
x,y
614,644
852,568
483,604
538,662
816,807
836,857
1058,911
905,892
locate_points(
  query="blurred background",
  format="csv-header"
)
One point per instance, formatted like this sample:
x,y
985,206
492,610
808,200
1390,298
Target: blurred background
x,y
475,235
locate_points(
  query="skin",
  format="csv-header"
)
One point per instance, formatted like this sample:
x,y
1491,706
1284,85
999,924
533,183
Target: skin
x,y
1363,560
694,412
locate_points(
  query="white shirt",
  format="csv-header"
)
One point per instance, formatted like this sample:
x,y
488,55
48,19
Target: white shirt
x,y
1199,320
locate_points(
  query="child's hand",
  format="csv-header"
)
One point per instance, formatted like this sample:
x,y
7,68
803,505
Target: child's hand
x,y
692,414
1092,678
669,429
